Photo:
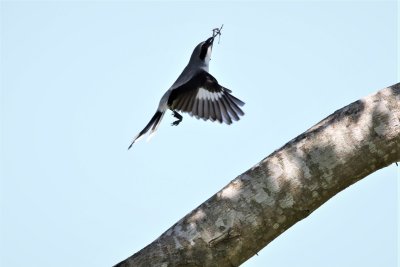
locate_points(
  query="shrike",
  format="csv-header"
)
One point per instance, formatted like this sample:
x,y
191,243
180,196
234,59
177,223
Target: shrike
x,y
198,93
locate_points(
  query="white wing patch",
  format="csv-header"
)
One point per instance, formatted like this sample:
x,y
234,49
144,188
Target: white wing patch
x,y
205,94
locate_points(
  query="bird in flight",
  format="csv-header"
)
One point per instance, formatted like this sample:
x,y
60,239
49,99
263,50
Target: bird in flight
x,y
198,93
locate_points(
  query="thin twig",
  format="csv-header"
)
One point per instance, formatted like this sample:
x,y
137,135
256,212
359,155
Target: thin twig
x,y
217,31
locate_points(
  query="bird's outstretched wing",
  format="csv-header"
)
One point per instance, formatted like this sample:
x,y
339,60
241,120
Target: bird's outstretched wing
x,y
204,98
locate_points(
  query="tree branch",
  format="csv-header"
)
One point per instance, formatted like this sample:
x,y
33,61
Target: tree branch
x,y
283,188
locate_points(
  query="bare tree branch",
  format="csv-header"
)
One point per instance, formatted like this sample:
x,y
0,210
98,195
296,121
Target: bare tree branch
x,y
283,188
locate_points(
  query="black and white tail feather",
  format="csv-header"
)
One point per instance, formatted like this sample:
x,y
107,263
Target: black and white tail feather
x,y
197,93
152,126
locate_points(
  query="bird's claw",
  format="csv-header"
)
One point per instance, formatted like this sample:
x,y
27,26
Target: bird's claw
x,y
175,123
178,116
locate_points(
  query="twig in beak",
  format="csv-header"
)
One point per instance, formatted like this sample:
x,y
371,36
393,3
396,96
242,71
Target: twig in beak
x,y
217,31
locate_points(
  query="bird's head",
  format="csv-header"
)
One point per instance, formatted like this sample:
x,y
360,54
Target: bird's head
x,y
202,52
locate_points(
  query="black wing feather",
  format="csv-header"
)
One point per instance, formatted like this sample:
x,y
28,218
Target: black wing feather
x,y
213,102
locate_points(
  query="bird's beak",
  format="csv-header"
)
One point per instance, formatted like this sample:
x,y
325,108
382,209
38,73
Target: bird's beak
x,y
209,42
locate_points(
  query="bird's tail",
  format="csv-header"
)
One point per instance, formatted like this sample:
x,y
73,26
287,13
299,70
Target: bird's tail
x,y
151,126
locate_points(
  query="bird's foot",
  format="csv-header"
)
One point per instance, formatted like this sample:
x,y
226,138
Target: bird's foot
x,y
178,116
175,123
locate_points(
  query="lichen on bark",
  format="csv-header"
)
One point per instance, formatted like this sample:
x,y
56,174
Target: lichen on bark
x,y
284,188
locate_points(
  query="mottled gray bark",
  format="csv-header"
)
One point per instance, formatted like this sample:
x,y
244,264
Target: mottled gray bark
x,y
283,188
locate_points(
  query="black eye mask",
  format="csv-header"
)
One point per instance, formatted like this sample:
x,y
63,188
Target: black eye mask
x,y
205,47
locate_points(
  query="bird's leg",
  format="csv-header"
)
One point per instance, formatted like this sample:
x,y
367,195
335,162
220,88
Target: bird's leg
x,y
178,116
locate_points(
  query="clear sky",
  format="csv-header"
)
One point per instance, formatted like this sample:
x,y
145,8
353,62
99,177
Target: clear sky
x,y
80,79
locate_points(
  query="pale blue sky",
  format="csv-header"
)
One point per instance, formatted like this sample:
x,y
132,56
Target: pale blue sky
x,y
80,79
